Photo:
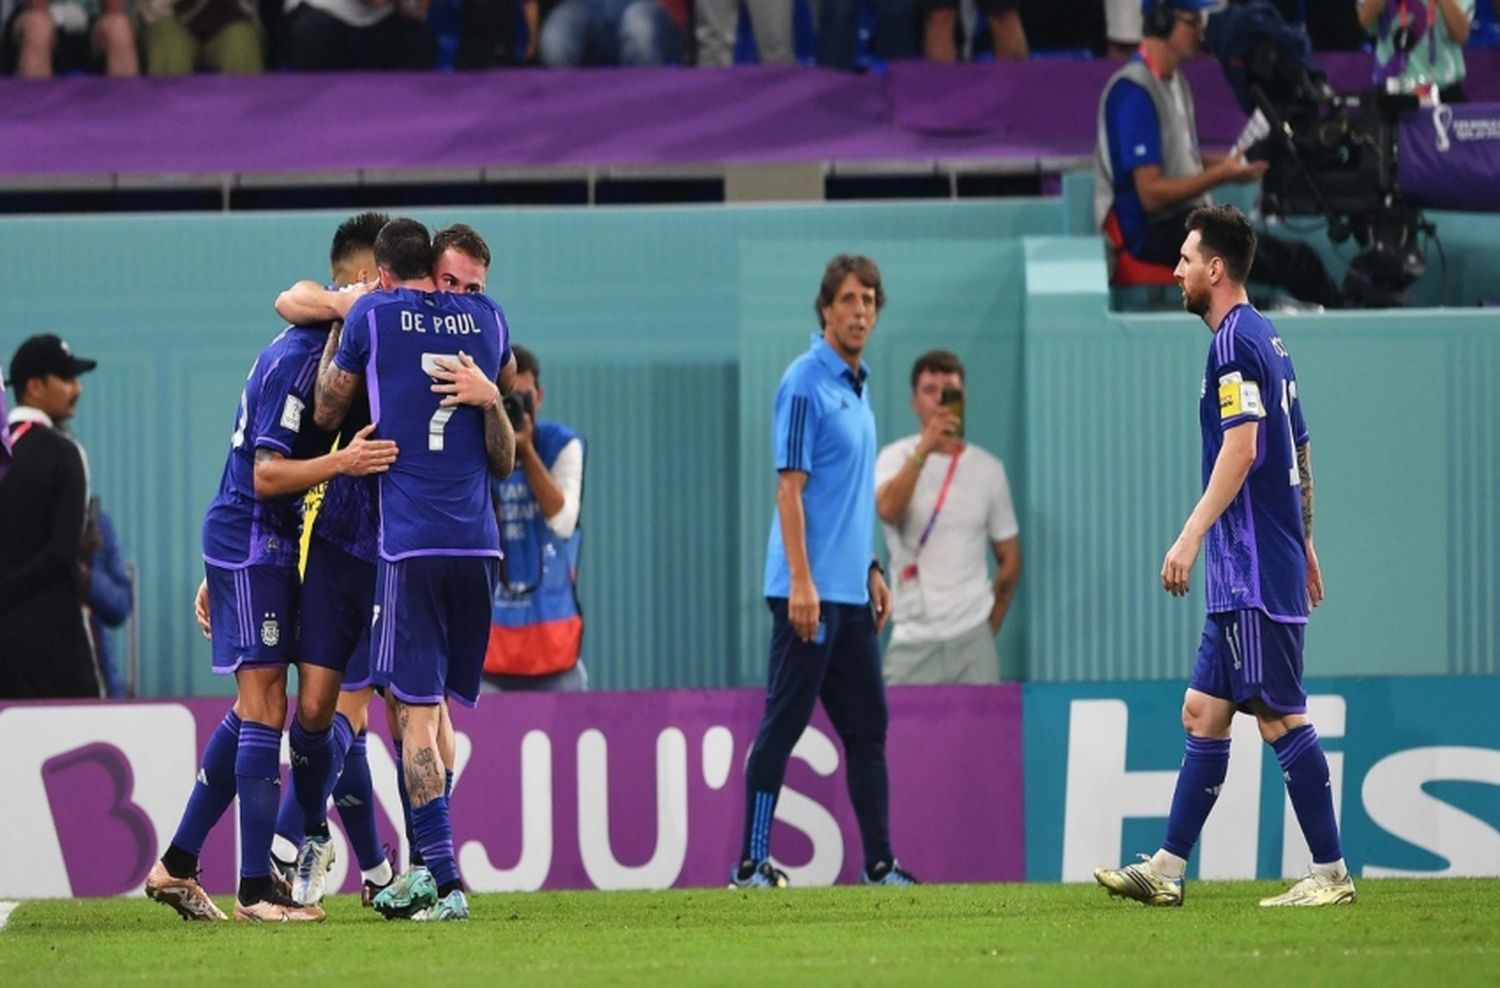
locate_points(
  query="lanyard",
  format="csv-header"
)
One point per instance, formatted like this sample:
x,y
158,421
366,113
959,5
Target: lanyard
x,y
941,498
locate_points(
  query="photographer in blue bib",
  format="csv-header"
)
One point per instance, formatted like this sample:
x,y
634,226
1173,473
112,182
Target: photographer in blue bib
x,y
536,625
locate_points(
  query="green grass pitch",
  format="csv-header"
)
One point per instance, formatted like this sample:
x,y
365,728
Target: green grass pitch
x,y
1439,932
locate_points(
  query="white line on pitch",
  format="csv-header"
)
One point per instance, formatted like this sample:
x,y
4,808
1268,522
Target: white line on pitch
x,y
6,908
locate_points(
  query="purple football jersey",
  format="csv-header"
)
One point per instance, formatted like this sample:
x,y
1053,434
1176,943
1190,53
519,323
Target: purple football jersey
x,y
435,498
349,513
240,529
1254,556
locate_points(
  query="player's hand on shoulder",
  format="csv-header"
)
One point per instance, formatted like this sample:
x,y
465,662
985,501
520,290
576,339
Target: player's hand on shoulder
x,y
463,382
344,298
364,456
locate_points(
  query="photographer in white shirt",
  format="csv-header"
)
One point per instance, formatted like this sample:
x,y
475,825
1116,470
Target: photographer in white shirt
x,y
946,506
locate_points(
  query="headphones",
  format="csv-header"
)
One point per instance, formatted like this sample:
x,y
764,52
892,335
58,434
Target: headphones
x,y
1158,20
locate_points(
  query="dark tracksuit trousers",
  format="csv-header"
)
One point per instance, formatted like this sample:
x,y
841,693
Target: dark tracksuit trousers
x,y
841,666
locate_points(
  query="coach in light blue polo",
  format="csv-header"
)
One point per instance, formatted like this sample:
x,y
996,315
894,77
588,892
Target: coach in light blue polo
x,y
825,428
828,600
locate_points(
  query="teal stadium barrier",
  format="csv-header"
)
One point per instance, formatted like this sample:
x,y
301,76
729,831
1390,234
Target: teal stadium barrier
x,y
1416,794
663,332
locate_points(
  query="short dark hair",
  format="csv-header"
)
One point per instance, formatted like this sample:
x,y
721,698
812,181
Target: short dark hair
x,y
463,238
526,361
840,268
1225,232
355,234
404,249
936,362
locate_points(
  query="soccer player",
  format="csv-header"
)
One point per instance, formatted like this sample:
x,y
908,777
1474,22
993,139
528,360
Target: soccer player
x,y
250,537
438,542
1262,575
337,599
821,584
327,741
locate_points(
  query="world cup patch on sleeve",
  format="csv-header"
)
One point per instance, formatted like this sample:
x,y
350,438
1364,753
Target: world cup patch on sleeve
x,y
291,413
1238,396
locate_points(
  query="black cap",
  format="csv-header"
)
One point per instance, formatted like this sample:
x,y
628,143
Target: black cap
x,y
43,355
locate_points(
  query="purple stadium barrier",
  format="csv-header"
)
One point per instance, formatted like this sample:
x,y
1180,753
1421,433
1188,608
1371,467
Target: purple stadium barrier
x,y
599,790
1029,111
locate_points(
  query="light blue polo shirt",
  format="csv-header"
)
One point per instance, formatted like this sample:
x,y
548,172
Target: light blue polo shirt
x,y
824,426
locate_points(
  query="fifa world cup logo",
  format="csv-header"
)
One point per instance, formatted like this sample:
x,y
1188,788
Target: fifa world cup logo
x,y
1442,122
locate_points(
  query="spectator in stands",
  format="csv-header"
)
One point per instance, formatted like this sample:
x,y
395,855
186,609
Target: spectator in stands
x,y
64,36
579,33
716,24
219,35
940,29
1149,173
894,36
536,630
319,35
1122,26
111,597
45,651
1419,44
946,505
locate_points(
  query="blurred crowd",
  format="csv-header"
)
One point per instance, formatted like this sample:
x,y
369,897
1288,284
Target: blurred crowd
x,y
175,37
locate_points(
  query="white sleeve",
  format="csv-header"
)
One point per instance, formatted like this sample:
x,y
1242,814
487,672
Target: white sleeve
x,y
567,473
888,463
1002,521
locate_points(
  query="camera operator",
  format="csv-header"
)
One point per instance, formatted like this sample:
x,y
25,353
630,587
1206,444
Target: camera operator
x,y
1419,44
1149,171
536,628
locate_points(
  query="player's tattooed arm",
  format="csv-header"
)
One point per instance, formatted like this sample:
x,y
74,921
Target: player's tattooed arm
x,y
336,386
1315,589
1304,470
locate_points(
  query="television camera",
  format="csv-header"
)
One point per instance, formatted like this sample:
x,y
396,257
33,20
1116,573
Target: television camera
x,y
1329,154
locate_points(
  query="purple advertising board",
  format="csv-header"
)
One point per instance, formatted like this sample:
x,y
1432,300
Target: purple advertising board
x,y
603,790
1450,156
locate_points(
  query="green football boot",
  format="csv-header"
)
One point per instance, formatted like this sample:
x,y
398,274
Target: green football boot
x,y
409,893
